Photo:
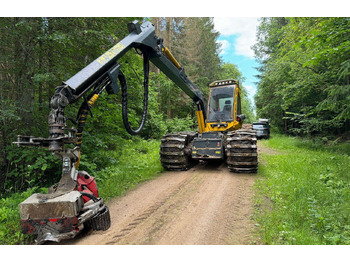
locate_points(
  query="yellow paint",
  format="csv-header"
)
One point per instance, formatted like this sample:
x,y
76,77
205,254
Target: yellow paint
x,y
78,162
204,126
110,53
171,57
200,118
93,100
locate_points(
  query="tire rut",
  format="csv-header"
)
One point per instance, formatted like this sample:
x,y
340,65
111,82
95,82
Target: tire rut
x,y
207,204
145,215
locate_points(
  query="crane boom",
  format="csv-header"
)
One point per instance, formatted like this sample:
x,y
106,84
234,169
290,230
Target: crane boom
x,y
104,73
141,37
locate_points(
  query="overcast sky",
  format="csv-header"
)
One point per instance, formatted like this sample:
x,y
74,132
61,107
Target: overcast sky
x,y
237,36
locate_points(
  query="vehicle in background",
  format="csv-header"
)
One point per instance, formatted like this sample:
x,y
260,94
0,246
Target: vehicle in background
x,y
265,121
262,128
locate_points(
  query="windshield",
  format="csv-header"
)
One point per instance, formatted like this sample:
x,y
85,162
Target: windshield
x,y
259,126
221,104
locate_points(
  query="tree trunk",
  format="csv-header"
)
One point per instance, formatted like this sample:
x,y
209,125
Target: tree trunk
x,y
285,122
169,36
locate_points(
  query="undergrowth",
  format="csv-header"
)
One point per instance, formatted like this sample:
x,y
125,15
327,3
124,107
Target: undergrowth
x,y
304,192
10,230
138,162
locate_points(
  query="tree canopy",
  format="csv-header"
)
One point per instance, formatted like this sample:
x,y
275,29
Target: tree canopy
x,y
304,81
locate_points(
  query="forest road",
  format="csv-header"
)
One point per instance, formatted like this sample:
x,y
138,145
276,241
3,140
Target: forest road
x,y
206,205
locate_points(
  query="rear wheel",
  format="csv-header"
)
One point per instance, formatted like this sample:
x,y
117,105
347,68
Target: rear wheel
x,y
175,151
101,221
242,156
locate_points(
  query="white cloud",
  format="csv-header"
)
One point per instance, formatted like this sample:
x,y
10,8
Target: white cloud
x,y
224,46
244,27
250,89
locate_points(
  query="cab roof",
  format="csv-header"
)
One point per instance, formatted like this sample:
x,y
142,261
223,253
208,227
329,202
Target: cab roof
x,y
223,82
260,123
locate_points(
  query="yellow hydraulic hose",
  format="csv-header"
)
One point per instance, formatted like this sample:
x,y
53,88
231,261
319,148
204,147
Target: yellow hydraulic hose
x,y
171,57
93,100
81,123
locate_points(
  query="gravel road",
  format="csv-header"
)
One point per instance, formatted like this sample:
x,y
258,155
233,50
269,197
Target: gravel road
x,y
206,205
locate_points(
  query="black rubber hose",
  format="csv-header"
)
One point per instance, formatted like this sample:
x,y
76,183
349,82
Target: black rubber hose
x,y
124,88
95,199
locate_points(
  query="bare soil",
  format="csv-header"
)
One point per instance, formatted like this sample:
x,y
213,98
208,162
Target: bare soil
x,y
206,205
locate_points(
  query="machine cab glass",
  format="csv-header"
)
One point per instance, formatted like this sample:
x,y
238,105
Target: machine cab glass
x,y
221,104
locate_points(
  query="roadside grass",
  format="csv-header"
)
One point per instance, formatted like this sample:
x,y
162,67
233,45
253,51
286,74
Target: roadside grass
x,y
137,161
10,230
304,192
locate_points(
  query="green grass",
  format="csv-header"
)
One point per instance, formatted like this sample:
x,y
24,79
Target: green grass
x,y
135,161
10,230
138,162
304,192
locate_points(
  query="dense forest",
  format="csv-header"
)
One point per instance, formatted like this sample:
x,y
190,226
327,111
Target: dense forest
x,y
304,85
37,54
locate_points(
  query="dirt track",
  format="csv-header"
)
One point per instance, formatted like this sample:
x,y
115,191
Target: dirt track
x,y
207,205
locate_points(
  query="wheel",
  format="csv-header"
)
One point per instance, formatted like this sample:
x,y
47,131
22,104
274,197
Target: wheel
x,y
175,151
100,222
242,156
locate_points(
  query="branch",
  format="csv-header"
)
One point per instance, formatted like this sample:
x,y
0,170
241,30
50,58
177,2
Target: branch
x,y
313,70
8,74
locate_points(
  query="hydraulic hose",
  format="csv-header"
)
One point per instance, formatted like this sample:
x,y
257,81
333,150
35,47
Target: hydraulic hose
x,y
82,115
85,107
91,196
124,88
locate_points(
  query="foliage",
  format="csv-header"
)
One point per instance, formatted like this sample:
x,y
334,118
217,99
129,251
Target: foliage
x,y
179,124
307,185
10,231
29,168
138,161
193,42
304,81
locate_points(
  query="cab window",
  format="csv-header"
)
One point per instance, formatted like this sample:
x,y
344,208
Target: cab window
x,y
221,104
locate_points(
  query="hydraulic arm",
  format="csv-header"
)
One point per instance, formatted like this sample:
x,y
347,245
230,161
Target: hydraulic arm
x,y
104,73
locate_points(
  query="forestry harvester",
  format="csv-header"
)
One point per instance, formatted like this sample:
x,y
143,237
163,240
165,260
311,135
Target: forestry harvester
x,y
74,203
